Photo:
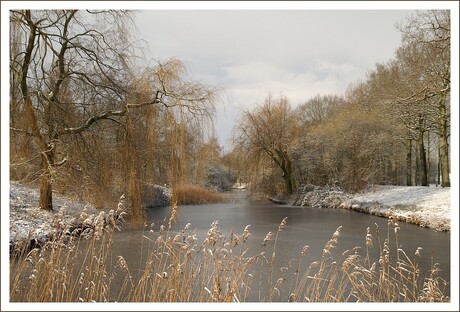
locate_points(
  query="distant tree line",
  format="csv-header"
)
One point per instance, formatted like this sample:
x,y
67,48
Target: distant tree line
x,y
391,128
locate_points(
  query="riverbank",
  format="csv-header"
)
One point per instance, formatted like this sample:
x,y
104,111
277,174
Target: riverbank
x,y
425,206
28,222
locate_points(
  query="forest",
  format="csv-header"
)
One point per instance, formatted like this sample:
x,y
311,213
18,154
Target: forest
x,y
393,127
92,118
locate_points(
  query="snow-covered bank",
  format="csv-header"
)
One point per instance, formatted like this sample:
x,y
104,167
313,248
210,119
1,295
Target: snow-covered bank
x,y
425,206
30,225
28,221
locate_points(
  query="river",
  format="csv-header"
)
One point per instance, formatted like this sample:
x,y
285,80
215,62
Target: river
x,y
304,226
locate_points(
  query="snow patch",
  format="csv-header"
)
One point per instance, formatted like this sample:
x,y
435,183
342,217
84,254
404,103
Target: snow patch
x,y
422,205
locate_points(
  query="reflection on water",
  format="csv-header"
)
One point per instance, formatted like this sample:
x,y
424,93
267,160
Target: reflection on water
x,y
304,226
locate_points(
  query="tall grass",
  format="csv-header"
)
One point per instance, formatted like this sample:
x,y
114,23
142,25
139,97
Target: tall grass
x,y
188,194
179,267
61,271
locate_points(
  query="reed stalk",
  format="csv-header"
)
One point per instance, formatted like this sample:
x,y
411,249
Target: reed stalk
x,y
81,266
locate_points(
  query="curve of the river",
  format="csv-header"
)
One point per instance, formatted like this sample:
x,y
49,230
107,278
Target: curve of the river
x,y
304,226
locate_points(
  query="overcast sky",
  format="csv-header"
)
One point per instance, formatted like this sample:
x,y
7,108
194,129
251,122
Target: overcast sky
x,y
249,53
250,49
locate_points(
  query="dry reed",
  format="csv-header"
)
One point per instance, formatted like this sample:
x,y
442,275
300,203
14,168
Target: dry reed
x,y
180,268
188,194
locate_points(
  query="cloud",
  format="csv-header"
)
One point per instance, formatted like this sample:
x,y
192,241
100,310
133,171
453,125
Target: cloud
x,y
250,83
251,53
246,85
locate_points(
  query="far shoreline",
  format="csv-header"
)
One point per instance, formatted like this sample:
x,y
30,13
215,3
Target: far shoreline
x,y
425,206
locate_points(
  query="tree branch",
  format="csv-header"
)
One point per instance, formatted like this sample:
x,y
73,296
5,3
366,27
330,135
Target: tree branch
x,y
107,114
21,130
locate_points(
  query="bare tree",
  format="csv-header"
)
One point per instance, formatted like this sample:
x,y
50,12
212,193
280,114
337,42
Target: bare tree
x,y
388,85
425,56
269,131
76,69
317,109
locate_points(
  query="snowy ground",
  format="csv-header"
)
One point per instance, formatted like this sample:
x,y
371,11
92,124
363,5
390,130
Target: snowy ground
x,y
426,206
28,221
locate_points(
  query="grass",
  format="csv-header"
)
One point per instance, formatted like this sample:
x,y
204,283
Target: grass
x,y
188,194
80,266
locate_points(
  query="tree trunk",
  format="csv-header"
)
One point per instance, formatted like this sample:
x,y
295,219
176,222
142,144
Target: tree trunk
x,y
423,172
288,183
46,159
286,166
409,161
428,158
443,144
46,193
439,168
417,166
46,198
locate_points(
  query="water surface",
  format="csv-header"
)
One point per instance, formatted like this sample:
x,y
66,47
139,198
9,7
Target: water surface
x,y
305,225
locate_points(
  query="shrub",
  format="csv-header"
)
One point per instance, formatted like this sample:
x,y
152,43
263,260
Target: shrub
x,y
187,194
